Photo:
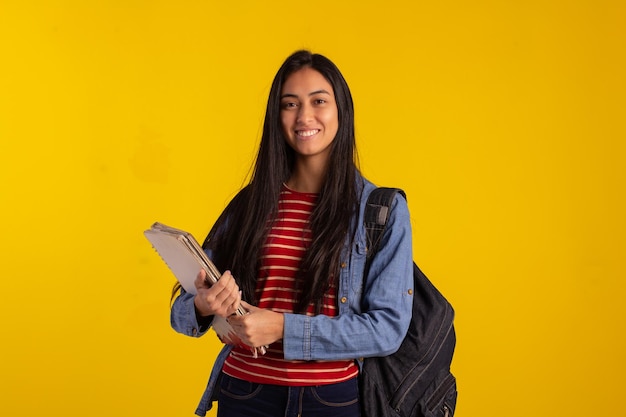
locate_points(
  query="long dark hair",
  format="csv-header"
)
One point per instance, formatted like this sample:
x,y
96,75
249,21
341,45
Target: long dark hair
x,y
238,235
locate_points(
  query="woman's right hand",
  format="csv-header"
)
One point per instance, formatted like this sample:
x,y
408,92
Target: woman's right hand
x,y
221,298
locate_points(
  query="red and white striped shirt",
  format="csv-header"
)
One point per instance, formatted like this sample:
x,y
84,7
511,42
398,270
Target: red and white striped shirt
x,y
282,254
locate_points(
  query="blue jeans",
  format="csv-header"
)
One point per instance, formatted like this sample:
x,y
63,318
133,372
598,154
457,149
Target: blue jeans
x,y
239,398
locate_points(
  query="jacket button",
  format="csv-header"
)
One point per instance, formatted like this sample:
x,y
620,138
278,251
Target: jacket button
x,y
343,300
343,264
410,292
194,331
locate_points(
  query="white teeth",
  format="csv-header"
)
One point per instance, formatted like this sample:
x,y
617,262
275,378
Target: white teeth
x,y
307,132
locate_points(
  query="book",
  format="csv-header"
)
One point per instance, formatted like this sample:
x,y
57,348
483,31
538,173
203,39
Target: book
x,y
185,258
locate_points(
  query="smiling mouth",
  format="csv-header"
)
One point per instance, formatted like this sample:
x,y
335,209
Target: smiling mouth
x,y
307,133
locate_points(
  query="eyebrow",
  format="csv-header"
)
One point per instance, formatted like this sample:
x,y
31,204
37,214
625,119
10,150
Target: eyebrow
x,y
310,94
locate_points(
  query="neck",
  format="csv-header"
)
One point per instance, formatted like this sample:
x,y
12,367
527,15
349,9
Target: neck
x,y
307,178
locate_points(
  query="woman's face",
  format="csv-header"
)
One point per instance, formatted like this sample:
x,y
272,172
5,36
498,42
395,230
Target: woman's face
x,y
308,113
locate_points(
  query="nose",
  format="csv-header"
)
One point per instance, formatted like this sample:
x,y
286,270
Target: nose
x,y
305,113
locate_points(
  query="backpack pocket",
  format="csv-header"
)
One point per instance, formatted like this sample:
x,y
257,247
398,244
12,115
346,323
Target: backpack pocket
x,y
439,400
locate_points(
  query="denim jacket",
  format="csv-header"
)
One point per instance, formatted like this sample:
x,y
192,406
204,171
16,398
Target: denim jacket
x,y
374,313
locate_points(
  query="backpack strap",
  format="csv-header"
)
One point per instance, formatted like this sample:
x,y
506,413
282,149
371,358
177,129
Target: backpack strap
x,y
376,215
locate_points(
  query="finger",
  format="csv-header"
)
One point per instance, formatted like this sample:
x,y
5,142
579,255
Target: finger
x,y
232,303
247,306
226,281
200,281
224,295
227,291
237,303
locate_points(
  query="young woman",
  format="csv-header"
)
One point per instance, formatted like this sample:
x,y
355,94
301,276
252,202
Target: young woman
x,y
293,243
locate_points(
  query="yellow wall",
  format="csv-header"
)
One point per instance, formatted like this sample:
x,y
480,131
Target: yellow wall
x,y
503,121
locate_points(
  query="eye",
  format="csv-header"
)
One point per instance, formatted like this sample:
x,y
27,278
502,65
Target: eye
x,y
319,101
288,105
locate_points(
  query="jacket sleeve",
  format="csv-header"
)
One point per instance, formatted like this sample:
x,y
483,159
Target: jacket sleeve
x,y
386,305
183,316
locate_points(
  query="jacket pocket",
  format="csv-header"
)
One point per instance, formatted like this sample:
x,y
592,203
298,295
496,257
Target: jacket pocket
x,y
440,397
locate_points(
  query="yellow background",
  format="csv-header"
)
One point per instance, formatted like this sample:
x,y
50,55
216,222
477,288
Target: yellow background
x,y
502,120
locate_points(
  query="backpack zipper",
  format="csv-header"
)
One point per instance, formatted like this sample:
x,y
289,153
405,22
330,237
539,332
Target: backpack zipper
x,y
406,389
447,383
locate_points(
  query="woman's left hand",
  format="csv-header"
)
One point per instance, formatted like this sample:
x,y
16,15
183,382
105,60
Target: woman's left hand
x,y
260,327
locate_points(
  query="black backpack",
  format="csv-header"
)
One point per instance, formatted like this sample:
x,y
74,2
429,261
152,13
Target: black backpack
x,y
416,380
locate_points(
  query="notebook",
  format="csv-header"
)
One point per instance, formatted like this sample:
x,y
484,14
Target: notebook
x,y
185,258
